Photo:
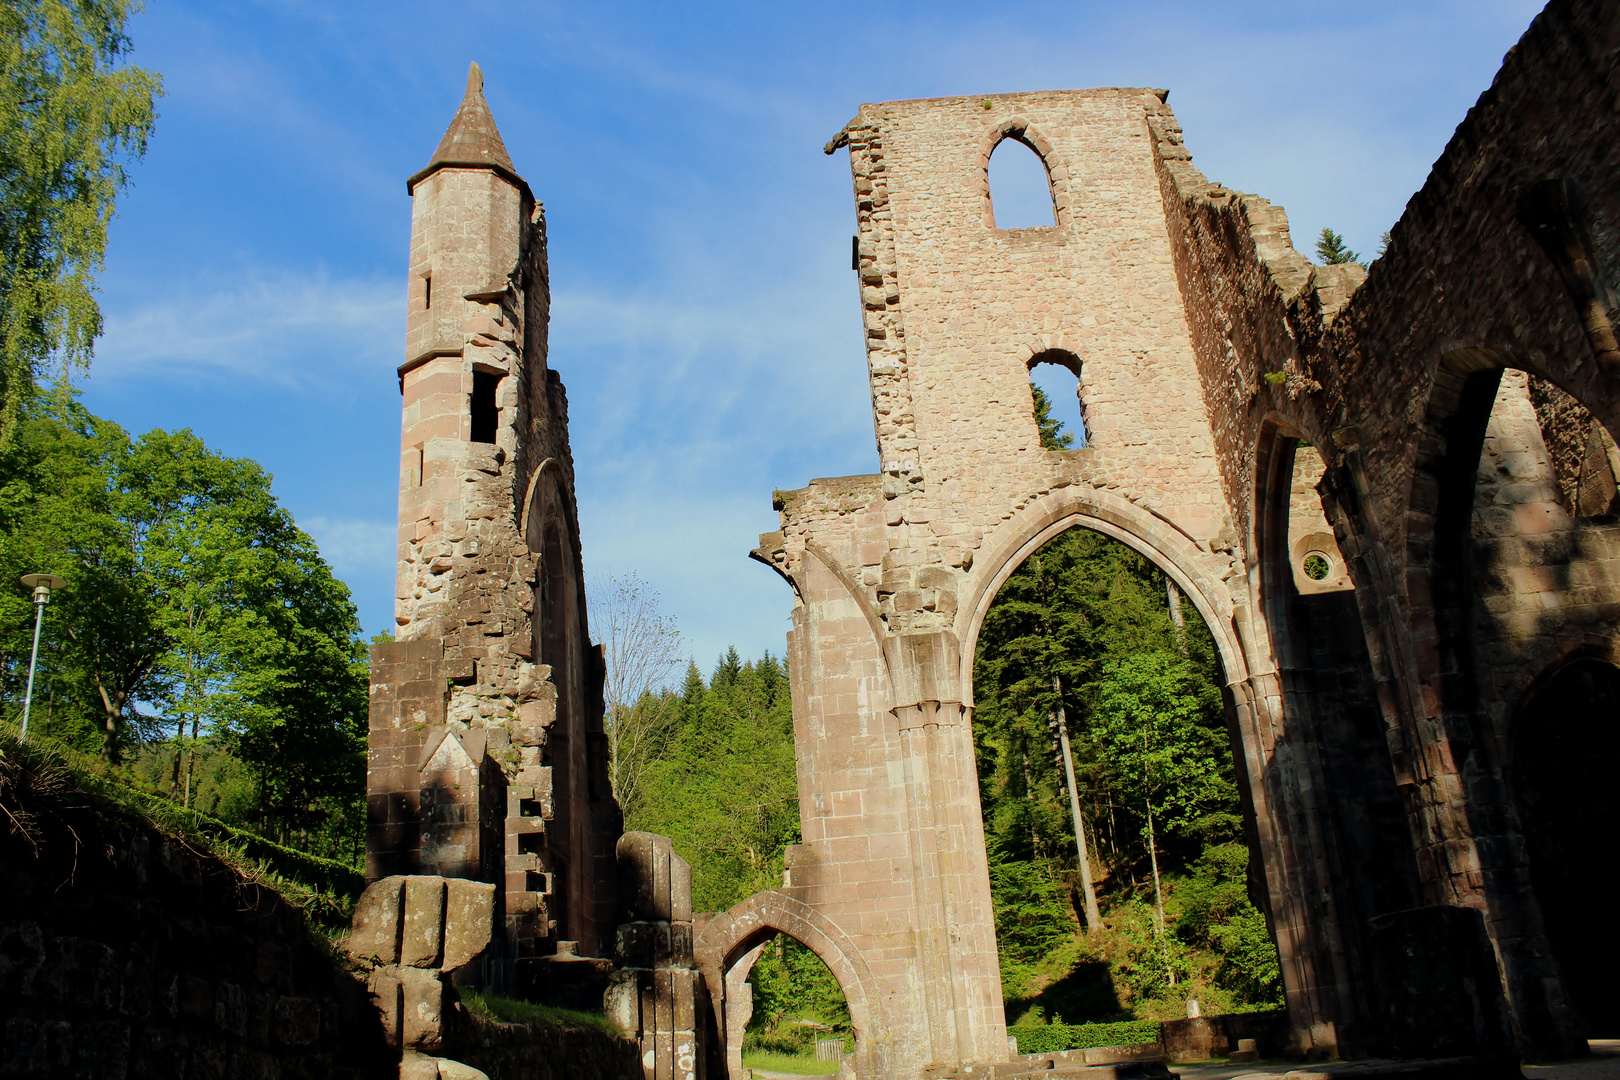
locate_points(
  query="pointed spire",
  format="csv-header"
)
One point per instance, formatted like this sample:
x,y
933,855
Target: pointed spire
x,y
472,140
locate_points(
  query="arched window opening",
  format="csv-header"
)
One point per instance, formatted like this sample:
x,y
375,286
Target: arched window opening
x,y
485,412
1020,188
1584,458
1312,550
1565,741
1055,396
1098,701
1328,687
800,1017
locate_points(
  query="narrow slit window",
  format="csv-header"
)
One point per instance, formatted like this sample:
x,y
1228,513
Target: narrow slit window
x,y
427,292
485,414
1020,189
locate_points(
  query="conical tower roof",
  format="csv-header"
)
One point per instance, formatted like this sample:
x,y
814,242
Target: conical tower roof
x,y
472,141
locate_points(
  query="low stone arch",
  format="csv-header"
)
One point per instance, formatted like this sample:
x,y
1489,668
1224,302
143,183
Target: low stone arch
x,y
735,935
1044,517
1057,173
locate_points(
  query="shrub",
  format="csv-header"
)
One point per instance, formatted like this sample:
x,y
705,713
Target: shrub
x,y
1050,1038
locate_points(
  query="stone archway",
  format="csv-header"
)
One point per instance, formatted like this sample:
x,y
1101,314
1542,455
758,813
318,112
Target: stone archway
x,y
727,944
1081,506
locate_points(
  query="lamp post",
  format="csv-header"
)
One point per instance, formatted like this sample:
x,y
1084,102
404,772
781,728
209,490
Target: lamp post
x,y
42,584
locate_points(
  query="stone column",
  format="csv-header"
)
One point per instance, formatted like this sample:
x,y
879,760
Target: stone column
x,y
654,997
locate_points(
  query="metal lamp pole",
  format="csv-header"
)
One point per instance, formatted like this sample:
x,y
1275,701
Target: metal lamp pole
x,y
42,584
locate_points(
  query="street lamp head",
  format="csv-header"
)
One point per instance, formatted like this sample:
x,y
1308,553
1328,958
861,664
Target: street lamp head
x,y
43,584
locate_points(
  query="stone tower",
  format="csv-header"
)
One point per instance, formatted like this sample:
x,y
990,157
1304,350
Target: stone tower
x,y
487,758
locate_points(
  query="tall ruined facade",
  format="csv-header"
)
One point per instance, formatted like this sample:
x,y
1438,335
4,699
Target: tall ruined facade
x,y
1390,493
487,758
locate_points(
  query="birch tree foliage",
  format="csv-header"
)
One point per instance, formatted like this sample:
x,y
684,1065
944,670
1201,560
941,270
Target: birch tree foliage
x,y
641,647
72,119
1151,722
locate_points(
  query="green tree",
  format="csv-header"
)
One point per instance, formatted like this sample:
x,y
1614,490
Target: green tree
x,y
71,119
725,790
1331,249
192,596
1153,726
1094,611
1053,437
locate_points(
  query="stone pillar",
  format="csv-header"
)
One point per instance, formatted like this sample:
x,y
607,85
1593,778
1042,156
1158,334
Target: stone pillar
x,y
654,997
413,934
1436,985
739,1009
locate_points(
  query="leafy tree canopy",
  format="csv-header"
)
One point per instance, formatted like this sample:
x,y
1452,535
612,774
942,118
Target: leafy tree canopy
x,y
725,789
71,119
1086,623
193,603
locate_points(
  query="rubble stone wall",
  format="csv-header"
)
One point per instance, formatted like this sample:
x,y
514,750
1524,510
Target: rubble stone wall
x,y
1369,712
126,953
1468,585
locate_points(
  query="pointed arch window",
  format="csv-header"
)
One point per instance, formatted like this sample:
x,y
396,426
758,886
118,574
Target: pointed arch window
x,y
1020,187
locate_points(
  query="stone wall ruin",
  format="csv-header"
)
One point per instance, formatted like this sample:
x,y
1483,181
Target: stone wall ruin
x,y
1455,401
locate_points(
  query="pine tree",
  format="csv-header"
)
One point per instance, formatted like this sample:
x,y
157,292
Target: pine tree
x,y
1331,249
1053,437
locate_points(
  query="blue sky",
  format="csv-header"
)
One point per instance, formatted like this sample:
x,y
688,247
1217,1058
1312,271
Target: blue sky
x,y
705,319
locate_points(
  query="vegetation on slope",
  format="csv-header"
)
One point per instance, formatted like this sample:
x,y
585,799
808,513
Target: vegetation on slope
x,y
201,639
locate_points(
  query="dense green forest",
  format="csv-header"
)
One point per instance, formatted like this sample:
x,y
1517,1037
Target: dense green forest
x,y
1089,640
201,641
1084,633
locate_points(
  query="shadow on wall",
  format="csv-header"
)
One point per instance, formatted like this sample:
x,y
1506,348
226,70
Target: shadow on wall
x,y
1565,743
1085,994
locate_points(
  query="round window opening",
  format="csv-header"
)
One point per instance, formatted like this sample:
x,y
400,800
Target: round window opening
x,y
1317,566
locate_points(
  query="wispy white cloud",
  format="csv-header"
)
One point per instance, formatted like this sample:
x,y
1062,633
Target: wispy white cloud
x,y
293,331
693,548
355,547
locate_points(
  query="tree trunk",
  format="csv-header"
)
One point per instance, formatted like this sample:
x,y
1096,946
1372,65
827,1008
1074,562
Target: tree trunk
x,y
1093,917
1174,595
179,751
111,713
1158,895
191,758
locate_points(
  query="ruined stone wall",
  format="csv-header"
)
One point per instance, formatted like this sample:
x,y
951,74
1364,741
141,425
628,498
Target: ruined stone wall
x,y
488,758
892,572
1206,347
126,953
1501,260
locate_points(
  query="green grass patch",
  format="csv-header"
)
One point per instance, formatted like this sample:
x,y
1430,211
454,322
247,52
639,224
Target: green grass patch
x,y
513,1011
43,773
1050,1038
799,1064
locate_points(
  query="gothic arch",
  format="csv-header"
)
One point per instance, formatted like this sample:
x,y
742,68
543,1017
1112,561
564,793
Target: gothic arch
x,y
1057,173
1080,505
734,936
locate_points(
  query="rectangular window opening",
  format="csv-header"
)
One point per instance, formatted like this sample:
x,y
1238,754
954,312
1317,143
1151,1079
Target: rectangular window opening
x,y
485,414
427,291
